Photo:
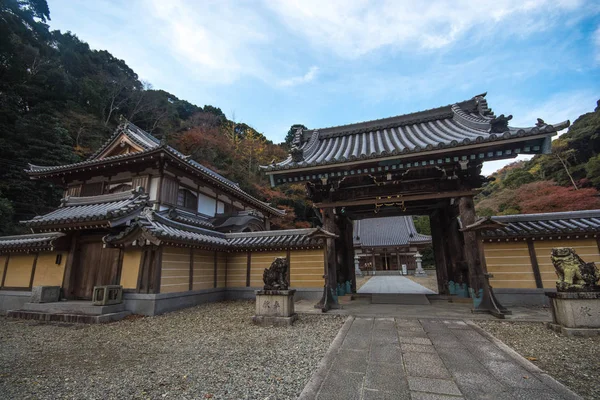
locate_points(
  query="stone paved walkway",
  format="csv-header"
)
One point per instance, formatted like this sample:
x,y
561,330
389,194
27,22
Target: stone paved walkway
x,y
393,284
436,359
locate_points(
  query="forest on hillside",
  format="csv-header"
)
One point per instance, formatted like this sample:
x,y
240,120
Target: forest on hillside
x,y
60,100
567,179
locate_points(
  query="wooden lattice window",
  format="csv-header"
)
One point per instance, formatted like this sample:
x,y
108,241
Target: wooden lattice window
x,y
187,199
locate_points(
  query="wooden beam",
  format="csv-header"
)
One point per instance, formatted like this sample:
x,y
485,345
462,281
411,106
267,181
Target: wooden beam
x,y
439,252
4,272
394,199
534,264
248,267
191,283
33,270
67,284
215,271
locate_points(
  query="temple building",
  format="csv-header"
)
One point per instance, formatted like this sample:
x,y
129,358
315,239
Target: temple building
x,y
170,231
385,244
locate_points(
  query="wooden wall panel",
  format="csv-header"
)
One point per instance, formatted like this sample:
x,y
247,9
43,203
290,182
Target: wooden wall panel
x,y
221,270
236,269
175,272
587,249
141,181
47,272
2,265
169,190
307,268
18,274
131,268
510,264
260,261
204,269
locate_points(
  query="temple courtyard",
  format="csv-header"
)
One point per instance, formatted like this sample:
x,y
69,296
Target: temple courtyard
x,y
213,351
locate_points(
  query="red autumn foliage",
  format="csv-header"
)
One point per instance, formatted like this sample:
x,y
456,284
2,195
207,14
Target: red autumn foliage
x,y
546,196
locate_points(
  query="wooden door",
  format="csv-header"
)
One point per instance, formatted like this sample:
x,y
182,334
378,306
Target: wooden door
x,y
96,266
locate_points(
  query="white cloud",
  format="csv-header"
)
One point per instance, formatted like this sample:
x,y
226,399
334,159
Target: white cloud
x,y
596,41
354,28
216,40
298,80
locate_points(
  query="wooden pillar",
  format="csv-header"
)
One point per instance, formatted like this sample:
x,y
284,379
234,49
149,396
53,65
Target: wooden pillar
x,y
471,244
534,264
67,285
327,301
439,252
473,253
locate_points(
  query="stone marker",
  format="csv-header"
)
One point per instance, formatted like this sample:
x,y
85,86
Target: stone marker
x,y
576,302
275,303
45,294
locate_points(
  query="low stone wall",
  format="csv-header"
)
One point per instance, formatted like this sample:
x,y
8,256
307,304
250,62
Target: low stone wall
x,y
249,293
155,304
509,297
13,300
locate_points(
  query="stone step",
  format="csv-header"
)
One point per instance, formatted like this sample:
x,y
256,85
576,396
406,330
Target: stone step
x,y
70,318
399,298
73,307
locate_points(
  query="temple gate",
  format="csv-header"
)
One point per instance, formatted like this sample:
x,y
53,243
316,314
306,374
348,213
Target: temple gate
x,y
424,163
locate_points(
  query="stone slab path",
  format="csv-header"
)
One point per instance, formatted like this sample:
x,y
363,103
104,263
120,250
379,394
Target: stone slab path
x,y
425,359
393,284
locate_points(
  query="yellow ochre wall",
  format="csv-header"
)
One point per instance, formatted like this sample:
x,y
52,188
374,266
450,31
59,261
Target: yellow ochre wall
x,y
47,272
510,264
175,273
19,269
221,270
130,268
258,262
236,269
307,268
204,270
587,249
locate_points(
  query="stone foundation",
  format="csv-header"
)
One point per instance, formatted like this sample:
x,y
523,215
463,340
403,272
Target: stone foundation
x,y
575,313
274,307
45,294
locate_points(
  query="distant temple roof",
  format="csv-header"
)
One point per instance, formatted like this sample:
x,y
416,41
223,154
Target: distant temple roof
x,y
570,223
148,145
387,232
458,125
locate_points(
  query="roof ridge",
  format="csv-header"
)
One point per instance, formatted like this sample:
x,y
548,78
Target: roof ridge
x,y
547,216
401,119
71,201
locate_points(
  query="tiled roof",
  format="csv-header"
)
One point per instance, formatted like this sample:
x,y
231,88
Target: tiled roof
x,y
387,232
159,227
188,218
149,144
31,242
461,124
291,238
546,224
93,209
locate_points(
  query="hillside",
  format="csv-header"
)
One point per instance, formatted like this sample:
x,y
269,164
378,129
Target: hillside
x,y
59,101
568,179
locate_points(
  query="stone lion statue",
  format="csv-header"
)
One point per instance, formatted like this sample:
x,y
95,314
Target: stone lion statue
x,y
275,277
574,275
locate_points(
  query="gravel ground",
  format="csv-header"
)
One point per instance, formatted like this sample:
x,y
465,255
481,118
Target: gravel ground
x,y
211,351
573,361
361,280
429,281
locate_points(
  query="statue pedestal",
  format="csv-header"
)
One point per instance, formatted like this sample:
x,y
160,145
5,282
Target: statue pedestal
x,y
575,313
275,308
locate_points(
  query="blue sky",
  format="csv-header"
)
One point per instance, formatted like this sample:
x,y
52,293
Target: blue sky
x,y
274,63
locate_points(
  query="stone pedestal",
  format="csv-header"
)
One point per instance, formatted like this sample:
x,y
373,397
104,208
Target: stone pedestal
x,y
575,313
275,307
45,294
